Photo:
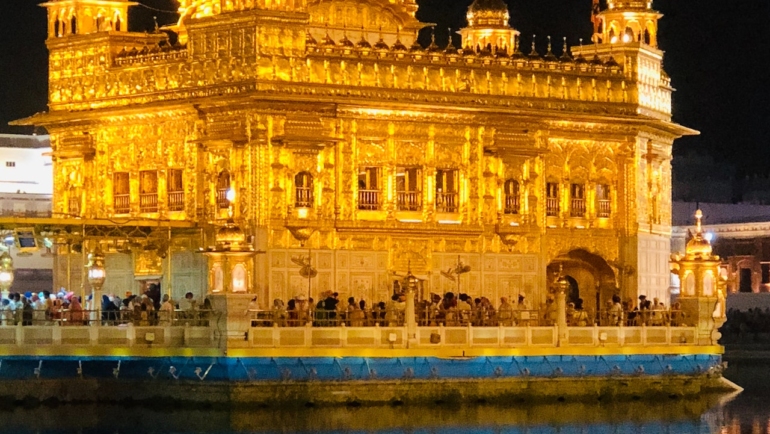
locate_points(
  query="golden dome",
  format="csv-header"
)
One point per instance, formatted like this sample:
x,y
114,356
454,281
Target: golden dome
x,y
488,13
698,247
231,238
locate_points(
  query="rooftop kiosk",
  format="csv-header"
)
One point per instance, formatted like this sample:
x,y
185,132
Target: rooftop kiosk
x,y
703,292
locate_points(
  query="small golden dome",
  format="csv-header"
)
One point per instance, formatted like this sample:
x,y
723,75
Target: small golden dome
x,y
698,247
231,238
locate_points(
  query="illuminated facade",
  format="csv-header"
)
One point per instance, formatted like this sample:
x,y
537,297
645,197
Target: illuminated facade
x,y
342,136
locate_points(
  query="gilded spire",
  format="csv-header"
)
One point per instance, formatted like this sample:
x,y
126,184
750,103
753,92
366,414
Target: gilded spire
x,y
699,246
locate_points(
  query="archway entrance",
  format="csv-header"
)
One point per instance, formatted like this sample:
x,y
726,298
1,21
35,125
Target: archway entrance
x,y
590,276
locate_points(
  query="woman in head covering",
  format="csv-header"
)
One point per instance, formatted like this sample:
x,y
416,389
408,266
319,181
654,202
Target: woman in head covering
x,y
76,312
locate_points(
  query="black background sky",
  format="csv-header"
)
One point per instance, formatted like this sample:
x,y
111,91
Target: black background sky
x,y
717,53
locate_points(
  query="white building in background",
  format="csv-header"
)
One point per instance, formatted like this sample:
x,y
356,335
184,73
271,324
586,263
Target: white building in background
x,y
26,187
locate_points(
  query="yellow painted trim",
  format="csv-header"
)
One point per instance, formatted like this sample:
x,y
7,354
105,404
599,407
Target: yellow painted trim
x,y
473,352
63,351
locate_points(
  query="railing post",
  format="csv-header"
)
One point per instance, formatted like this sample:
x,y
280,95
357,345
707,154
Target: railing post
x,y
19,334
93,335
131,334
561,307
411,321
56,333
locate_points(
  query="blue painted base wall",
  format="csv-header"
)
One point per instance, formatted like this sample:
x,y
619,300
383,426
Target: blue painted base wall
x,y
227,369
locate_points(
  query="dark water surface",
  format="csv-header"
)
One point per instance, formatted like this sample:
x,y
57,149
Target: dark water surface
x,y
748,413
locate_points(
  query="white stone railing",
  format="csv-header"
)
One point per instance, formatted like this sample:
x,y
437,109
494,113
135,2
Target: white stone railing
x,y
346,337
491,337
118,336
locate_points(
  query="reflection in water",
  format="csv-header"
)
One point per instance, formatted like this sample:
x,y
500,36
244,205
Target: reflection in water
x,y
704,415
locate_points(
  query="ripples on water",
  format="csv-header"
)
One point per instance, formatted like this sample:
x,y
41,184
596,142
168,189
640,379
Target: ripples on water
x,y
747,413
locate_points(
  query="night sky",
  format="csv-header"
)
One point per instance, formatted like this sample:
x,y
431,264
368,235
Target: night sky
x,y
717,53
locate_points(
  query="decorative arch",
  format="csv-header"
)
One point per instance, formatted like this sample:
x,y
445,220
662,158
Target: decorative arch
x,y
511,197
591,275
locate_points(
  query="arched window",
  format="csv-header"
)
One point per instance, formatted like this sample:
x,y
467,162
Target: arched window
x,y
512,202
689,284
118,23
74,25
99,23
647,37
303,190
239,278
223,185
578,200
628,35
603,201
57,28
552,199
708,284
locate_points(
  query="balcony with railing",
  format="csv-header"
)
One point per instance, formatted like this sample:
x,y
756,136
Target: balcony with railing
x,y
148,202
176,201
73,206
604,208
222,202
369,200
409,200
552,207
512,204
447,202
578,207
122,203
304,197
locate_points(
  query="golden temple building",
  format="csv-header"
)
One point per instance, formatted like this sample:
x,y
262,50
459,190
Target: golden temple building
x,y
322,127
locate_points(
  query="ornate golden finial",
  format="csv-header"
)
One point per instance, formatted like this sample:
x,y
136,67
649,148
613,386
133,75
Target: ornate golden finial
x,y
549,56
363,44
565,56
698,223
699,246
381,45
534,55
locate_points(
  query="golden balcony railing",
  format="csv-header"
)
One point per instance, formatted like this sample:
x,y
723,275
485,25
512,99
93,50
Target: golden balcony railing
x,y
222,202
73,206
552,207
409,200
176,201
303,197
578,208
148,202
122,203
512,205
604,208
447,202
369,200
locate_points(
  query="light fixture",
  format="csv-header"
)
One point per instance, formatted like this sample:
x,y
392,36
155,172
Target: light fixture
x,y
96,271
6,272
230,195
614,40
626,38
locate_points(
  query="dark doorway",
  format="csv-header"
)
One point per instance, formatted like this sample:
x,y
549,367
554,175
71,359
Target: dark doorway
x,y
745,280
573,293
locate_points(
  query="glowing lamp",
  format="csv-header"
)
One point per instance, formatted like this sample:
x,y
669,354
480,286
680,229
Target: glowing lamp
x,y
230,195
96,271
6,272
626,38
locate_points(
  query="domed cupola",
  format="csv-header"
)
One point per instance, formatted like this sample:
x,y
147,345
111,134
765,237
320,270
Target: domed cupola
x,y
488,27
488,13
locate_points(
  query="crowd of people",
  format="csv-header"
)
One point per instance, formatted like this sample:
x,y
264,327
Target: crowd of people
x,y
462,310
752,323
67,308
